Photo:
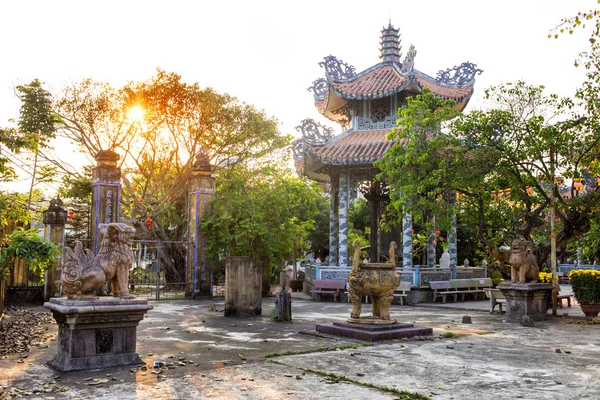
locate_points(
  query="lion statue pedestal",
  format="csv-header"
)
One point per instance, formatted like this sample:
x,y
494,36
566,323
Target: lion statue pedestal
x,y
97,332
525,297
378,281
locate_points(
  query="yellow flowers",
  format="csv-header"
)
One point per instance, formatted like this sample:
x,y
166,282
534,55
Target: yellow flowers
x,y
545,277
584,273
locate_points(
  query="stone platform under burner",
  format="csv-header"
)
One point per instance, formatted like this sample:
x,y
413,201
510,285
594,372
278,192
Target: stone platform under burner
x,y
374,333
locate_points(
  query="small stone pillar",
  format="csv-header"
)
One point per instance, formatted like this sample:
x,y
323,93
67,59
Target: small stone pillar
x,y
106,193
201,194
243,286
55,218
283,307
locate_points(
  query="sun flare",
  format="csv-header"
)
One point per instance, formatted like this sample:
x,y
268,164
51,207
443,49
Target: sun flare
x,y
136,114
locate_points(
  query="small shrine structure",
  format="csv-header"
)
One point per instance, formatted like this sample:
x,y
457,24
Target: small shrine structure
x,y
365,104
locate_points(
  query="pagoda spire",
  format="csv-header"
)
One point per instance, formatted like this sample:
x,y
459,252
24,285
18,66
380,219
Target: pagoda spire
x,y
390,44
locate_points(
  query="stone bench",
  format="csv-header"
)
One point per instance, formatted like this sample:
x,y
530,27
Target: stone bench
x,y
496,297
474,286
442,289
328,286
400,293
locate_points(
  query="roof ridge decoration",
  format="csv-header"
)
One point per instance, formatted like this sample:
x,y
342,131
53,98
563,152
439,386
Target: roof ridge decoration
x,y
337,69
409,61
314,133
462,75
390,44
319,89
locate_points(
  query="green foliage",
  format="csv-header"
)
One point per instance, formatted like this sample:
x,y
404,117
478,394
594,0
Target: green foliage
x,y
13,208
262,212
27,246
586,286
476,154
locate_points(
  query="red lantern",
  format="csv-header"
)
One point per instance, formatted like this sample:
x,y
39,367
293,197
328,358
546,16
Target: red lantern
x,y
71,214
149,223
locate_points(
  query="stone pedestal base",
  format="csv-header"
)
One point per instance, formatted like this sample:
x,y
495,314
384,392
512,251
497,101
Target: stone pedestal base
x,y
374,333
526,300
94,334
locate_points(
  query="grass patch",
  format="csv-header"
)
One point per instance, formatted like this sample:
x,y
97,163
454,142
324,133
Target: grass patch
x,y
486,332
450,335
321,349
330,376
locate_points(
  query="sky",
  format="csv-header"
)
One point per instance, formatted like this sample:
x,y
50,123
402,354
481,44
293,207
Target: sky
x,y
266,53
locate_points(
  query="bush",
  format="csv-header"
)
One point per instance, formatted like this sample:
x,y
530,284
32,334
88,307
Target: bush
x,y
586,286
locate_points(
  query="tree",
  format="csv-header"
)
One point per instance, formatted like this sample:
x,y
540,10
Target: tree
x,y
498,163
172,122
262,212
27,246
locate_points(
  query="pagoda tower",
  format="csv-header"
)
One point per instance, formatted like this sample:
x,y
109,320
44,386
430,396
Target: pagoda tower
x,y
365,104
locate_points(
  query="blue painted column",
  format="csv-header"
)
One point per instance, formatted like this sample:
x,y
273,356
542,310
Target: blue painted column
x,y
452,248
201,194
343,218
106,193
407,250
333,220
431,246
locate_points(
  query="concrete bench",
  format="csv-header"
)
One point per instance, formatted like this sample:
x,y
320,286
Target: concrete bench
x,y
561,297
328,286
401,292
442,289
496,297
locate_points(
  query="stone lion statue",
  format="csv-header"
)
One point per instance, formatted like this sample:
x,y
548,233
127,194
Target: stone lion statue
x,y
523,261
83,273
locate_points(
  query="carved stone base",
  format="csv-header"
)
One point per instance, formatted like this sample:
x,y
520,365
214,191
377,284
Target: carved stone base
x,y
371,321
374,333
526,300
94,334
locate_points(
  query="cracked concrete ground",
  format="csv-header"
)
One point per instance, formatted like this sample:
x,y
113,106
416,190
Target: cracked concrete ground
x,y
225,358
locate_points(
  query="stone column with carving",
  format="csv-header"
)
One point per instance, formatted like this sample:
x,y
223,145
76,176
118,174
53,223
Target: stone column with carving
x,y
201,194
333,220
407,250
452,248
343,218
55,218
106,193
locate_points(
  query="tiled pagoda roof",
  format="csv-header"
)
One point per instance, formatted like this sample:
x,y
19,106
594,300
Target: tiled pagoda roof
x,y
352,148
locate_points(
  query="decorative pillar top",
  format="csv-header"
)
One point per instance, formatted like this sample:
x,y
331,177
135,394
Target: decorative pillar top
x,y
55,214
202,162
390,45
107,158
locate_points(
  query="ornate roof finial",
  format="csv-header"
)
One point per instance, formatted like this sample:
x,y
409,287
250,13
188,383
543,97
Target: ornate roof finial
x,y
390,44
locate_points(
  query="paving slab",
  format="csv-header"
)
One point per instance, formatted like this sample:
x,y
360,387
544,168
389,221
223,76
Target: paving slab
x,y
225,358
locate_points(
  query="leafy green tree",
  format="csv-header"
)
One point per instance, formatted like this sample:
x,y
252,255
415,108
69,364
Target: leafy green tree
x,y
27,246
262,212
484,152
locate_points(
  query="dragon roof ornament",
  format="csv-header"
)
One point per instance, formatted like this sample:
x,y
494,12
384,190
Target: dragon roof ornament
x,y
409,61
461,75
319,89
314,133
337,69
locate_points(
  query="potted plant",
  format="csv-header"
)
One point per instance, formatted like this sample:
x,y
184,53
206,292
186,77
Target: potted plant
x,y
586,287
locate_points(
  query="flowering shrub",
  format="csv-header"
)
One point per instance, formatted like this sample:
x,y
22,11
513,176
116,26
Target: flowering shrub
x,y
586,286
545,277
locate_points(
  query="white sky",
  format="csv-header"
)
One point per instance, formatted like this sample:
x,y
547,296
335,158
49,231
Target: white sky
x,y
266,53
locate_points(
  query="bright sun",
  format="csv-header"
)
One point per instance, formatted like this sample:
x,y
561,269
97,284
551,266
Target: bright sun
x,y
136,114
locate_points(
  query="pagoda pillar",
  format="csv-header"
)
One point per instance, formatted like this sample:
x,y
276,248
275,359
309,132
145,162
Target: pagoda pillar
x,y
333,220
452,248
343,218
106,193
55,218
431,246
201,193
407,241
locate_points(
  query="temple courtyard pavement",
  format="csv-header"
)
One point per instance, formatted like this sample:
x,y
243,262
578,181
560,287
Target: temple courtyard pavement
x,y
215,357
